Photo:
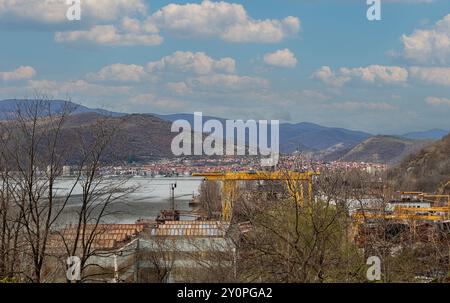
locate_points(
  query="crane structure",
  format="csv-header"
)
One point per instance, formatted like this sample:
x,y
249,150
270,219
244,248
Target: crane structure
x,y
405,213
295,182
408,213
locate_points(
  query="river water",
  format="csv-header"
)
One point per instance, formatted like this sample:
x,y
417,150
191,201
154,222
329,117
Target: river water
x,y
149,197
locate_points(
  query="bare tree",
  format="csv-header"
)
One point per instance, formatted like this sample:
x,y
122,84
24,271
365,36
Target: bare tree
x,y
210,199
160,255
98,192
34,150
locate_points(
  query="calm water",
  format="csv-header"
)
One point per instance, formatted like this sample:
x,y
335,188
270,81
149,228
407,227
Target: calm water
x,y
150,197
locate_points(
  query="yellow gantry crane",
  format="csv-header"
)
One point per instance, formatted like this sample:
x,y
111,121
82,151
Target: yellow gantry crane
x,y
433,213
295,182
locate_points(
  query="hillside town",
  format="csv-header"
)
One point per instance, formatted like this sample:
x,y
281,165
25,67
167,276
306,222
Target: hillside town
x,y
178,167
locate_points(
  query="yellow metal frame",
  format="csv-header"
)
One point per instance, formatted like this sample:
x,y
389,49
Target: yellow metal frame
x,y
293,180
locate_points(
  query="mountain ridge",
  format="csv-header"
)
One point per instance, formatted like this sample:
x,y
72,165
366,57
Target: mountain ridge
x,y
322,142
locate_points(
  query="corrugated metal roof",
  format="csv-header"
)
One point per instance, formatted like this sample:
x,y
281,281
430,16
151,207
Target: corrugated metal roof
x,y
191,228
106,236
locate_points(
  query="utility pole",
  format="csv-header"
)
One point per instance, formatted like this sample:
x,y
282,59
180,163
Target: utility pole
x,y
136,262
116,269
119,253
172,188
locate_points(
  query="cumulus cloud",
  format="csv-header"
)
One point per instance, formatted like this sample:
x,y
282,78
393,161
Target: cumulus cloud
x,y
189,62
21,73
226,83
429,45
281,58
228,21
54,11
118,72
179,88
109,35
326,75
410,1
77,88
369,74
431,75
218,83
147,100
180,73
352,105
438,101
128,22
377,73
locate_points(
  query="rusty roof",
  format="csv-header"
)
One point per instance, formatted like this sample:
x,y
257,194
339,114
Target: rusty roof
x,y
105,236
191,228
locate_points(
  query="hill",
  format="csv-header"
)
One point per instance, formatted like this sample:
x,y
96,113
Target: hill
x,y
137,137
435,134
317,137
425,170
8,108
148,135
304,136
383,149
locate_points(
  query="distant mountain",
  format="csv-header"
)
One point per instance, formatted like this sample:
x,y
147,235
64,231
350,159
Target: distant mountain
x,y
426,170
147,135
187,117
138,137
8,108
304,137
315,137
435,134
383,149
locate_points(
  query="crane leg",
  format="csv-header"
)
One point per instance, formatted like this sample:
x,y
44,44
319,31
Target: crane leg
x,y
228,193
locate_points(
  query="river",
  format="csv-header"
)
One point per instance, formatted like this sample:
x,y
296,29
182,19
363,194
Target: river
x,y
150,196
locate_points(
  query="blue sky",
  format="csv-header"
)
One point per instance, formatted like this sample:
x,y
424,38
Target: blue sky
x,y
295,60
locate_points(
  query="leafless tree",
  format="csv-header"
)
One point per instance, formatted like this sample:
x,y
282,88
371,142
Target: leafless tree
x,y
160,257
98,192
33,148
210,199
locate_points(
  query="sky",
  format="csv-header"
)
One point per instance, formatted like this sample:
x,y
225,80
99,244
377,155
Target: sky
x,y
319,61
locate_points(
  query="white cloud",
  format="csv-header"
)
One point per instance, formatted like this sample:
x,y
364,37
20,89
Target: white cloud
x,y
21,73
228,21
226,83
188,62
369,74
178,87
118,72
352,105
377,73
109,35
326,75
429,45
281,58
438,101
410,1
127,22
77,88
149,100
431,75
54,11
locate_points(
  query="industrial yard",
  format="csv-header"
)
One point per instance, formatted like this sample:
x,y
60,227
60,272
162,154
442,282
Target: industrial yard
x,y
186,242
